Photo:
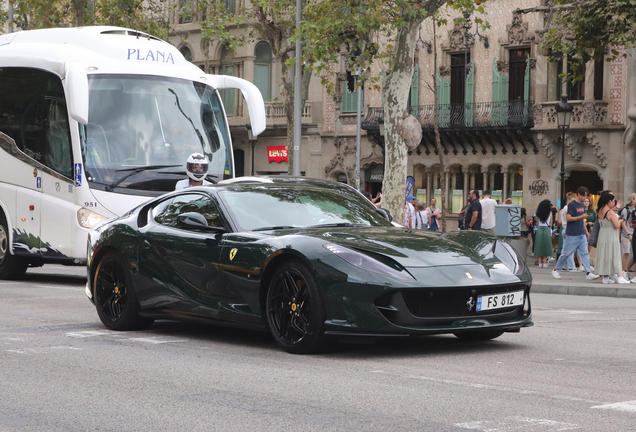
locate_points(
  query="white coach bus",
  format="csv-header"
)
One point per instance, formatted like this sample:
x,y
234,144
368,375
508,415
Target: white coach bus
x,y
94,121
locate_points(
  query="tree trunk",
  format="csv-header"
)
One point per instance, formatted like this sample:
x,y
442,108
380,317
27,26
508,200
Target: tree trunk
x,y
395,92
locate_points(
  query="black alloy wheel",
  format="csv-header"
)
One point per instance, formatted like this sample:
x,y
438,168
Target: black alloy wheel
x,y
479,336
114,295
295,310
11,267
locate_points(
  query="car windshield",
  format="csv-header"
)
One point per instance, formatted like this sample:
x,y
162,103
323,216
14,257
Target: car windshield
x,y
260,209
146,125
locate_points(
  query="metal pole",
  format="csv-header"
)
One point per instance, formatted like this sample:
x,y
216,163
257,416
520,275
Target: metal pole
x,y
562,167
358,129
253,142
298,94
10,16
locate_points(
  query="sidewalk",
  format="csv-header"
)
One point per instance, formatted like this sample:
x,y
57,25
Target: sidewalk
x,y
575,283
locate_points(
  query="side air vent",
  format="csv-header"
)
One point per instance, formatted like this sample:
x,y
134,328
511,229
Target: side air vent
x,y
131,33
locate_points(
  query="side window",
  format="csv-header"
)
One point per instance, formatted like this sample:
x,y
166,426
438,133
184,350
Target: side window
x,y
167,211
33,113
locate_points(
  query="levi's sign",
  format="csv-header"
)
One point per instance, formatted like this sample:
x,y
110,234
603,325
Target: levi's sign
x,y
277,154
149,55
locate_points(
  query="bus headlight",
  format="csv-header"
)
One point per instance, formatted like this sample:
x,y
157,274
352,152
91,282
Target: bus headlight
x,y
89,219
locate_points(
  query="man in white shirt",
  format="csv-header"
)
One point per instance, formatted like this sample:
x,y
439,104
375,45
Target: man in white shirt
x,y
488,213
409,212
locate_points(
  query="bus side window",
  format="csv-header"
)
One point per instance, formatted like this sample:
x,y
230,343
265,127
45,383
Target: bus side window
x,y
35,116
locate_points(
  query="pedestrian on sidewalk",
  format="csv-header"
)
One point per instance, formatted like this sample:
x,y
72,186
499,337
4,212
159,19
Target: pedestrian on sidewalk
x,y
608,248
626,245
543,237
575,236
421,218
409,212
473,213
488,213
434,215
563,223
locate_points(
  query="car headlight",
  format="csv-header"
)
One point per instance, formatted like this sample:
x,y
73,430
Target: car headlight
x,y
367,263
89,219
510,257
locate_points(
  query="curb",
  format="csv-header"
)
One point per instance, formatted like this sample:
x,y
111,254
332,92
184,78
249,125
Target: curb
x,y
599,291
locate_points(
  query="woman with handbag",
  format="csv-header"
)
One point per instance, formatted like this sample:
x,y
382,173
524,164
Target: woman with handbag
x,y
608,247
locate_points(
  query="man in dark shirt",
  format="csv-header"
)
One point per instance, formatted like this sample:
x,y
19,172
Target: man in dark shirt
x,y
473,212
575,236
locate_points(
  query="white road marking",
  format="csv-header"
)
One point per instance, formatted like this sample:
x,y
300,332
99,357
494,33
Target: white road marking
x,y
91,333
156,341
483,386
628,406
43,350
518,424
567,311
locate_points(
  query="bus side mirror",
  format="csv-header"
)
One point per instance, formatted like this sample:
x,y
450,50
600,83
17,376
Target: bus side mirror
x,y
252,95
77,92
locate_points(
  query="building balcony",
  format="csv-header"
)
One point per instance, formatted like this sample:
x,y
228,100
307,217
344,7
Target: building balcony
x,y
585,115
275,114
469,128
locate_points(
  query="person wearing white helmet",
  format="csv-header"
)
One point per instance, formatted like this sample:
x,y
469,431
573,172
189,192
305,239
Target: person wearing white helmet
x,y
197,169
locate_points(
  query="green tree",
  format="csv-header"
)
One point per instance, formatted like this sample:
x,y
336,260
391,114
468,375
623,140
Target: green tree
x,y
144,15
376,30
589,29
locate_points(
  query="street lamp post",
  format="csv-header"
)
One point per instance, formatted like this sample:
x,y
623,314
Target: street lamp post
x,y
252,139
564,115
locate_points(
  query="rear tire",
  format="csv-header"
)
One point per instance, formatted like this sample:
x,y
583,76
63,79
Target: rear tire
x,y
479,336
295,310
11,267
114,293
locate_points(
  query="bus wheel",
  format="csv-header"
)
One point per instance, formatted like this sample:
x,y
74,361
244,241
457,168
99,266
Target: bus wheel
x,y
11,267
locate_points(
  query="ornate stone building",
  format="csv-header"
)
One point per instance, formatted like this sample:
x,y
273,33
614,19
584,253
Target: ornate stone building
x,y
497,92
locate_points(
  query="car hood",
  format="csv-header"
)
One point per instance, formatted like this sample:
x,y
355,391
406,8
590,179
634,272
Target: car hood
x,y
412,248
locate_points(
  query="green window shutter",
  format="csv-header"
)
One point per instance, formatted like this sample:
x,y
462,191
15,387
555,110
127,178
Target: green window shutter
x,y
350,101
526,90
228,94
443,101
261,79
415,87
499,96
470,94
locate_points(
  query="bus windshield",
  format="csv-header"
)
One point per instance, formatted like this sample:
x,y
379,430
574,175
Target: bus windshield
x,y
142,129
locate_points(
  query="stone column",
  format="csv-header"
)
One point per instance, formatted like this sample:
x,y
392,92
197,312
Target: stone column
x,y
430,190
465,172
504,193
589,81
541,79
446,183
484,173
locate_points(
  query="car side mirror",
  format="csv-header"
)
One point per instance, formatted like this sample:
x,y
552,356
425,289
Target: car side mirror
x,y
194,220
385,214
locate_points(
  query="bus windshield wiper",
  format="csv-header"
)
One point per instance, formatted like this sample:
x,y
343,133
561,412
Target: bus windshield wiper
x,y
134,171
279,227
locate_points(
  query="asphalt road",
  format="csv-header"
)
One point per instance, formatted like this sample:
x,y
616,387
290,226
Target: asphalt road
x,y
61,370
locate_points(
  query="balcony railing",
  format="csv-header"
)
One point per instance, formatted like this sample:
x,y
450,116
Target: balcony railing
x,y
275,113
480,115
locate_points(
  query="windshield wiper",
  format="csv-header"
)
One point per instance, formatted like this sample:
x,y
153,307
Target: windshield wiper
x,y
279,227
176,97
134,171
337,225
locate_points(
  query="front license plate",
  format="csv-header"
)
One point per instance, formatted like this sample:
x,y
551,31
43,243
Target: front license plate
x,y
498,301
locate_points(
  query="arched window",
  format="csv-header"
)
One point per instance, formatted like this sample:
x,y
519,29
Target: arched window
x,y
262,68
227,68
186,53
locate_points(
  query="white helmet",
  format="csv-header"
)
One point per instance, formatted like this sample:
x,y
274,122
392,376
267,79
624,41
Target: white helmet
x,y
197,166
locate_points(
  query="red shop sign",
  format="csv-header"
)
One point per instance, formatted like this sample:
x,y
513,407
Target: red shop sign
x,y
277,154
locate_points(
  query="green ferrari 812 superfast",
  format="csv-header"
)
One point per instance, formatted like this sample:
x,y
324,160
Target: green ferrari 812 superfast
x,y
309,260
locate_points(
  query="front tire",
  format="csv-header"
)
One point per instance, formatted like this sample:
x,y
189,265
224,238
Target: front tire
x,y
115,298
11,266
295,310
479,336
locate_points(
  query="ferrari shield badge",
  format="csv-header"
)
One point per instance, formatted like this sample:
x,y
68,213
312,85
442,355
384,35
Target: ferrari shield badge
x,y
233,253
